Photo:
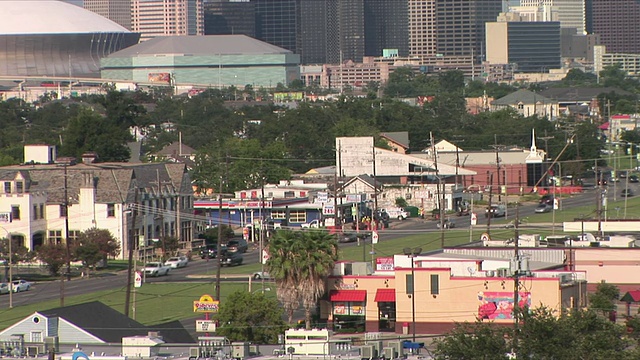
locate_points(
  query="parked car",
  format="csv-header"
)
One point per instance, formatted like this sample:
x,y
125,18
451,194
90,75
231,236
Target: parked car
x,y
156,268
311,224
543,208
231,259
634,179
20,285
261,275
627,193
239,245
4,288
352,237
495,211
177,262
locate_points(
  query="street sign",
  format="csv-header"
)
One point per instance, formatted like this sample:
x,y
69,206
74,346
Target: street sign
x,y
138,279
374,237
556,204
265,256
205,326
474,218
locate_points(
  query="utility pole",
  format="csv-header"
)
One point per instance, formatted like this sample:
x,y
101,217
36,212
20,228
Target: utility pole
x,y
375,208
219,244
66,237
131,234
546,139
440,195
497,148
489,209
516,281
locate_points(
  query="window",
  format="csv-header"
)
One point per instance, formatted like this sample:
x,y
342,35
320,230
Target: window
x,y
19,187
63,210
111,210
289,194
55,236
74,235
35,212
278,214
299,216
435,284
41,211
7,187
15,212
36,336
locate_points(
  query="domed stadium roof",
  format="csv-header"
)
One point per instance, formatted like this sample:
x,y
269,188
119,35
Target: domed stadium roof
x,y
22,17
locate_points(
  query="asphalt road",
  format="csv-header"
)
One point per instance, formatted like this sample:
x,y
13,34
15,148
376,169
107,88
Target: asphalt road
x,y
51,290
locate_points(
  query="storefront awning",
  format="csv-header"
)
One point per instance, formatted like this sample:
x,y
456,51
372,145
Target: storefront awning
x,y
386,295
348,295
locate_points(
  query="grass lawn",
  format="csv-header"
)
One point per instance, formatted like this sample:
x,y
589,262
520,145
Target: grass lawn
x,y
155,303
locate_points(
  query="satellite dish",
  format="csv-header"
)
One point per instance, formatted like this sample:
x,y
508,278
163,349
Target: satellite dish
x,y
471,270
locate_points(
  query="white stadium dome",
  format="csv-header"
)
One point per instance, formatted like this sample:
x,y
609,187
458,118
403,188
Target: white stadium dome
x,y
19,17
52,38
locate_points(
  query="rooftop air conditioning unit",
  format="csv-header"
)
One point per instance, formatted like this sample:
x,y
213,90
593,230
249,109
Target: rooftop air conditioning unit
x,y
503,272
490,273
389,353
397,346
368,352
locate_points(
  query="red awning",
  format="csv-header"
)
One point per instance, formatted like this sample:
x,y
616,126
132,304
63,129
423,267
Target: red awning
x,y
348,295
386,295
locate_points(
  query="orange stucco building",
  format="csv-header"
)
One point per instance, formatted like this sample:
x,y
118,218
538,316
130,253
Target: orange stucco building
x,y
383,301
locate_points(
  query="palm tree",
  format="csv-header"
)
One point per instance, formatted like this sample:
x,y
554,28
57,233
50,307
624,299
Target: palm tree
x,y
300,262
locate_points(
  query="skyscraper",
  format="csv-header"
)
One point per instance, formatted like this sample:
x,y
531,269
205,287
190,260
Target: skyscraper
x,y
277,22
422,27
118,11
571,13
223,17
461,26
386,26
616,22
153,18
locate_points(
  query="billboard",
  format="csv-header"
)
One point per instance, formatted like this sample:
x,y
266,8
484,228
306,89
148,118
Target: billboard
x,y
164,78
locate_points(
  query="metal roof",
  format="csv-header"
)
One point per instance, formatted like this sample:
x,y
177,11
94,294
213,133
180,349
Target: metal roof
x,y
22,17
210,45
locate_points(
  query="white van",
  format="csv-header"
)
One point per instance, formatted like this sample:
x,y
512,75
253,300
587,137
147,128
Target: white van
x,y
396,213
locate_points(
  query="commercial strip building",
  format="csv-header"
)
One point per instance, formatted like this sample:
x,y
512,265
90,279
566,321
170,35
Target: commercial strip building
x,y
100,195
429,293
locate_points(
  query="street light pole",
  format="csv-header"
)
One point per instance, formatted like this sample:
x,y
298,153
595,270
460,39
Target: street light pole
x,y
412,253
10,269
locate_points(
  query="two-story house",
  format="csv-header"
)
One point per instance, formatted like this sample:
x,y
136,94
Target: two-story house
x,y
52,199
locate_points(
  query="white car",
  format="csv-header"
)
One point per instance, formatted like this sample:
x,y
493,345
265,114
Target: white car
x,y
177,262
156,269
20,285
261,275
311,224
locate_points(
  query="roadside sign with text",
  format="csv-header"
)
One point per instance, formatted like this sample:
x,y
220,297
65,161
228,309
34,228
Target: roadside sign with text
x,y
374,237
138,279
353,198
384,264
474,218
323,197
328,210
205,326
5,217
206,304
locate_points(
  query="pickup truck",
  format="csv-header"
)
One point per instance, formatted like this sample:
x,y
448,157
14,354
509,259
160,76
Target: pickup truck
x,y
156,269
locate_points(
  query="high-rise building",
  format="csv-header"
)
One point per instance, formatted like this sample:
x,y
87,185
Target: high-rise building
x,y
277,22
461,26
313,31
534,46
224,17
153,18
571,13
118,11
616,22
422,27
386,26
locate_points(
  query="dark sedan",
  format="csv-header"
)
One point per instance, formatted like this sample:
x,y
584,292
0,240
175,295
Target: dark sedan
x,y
352,237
